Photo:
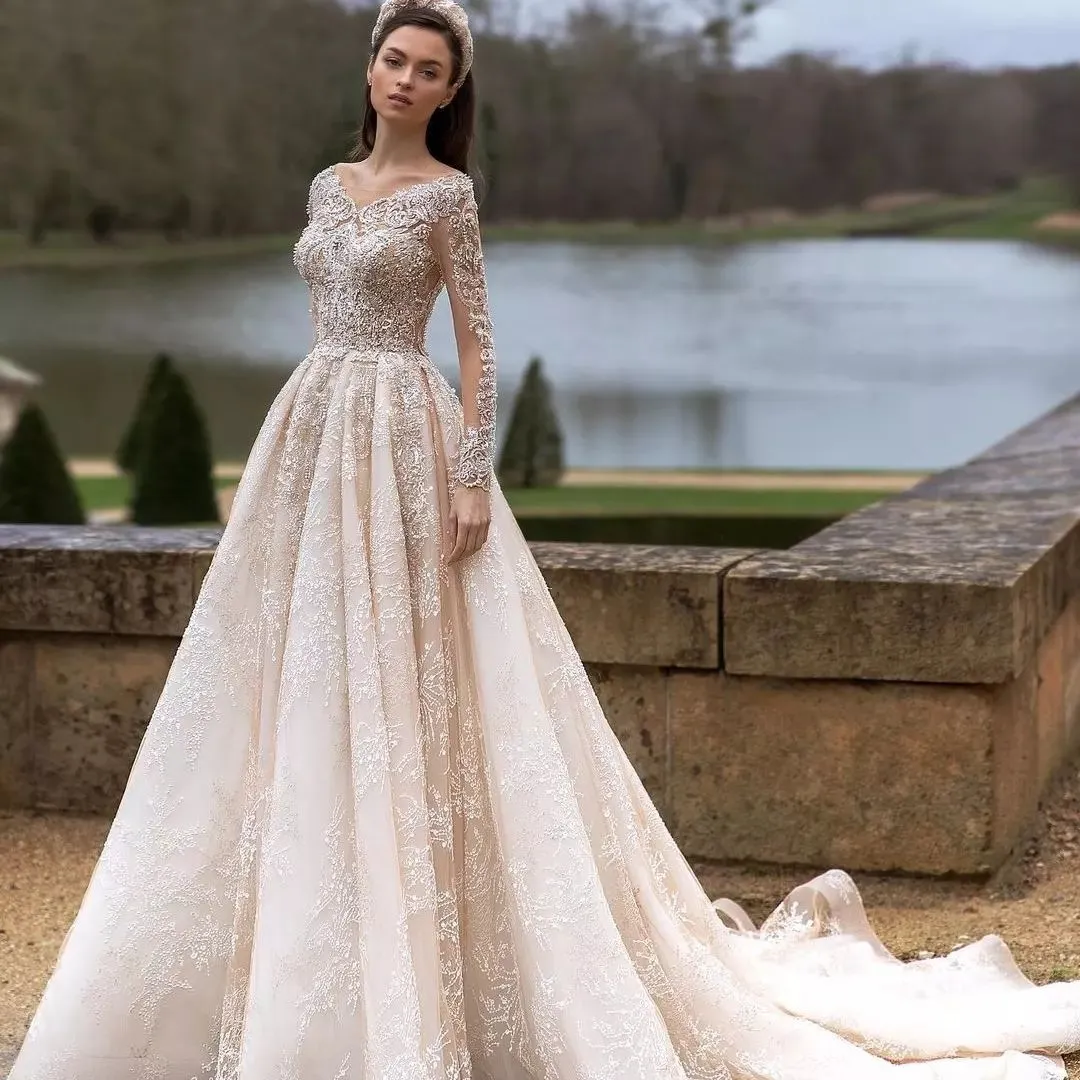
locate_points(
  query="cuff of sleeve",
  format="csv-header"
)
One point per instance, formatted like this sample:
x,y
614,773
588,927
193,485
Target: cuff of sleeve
x,y
474,460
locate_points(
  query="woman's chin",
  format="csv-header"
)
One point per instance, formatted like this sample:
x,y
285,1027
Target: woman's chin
x,y
394,112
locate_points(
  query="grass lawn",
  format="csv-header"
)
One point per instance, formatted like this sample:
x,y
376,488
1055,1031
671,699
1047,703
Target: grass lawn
x,y
111,492
1007,216
816,226
621,501
75,251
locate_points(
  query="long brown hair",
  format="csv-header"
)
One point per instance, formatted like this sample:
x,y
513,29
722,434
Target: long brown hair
x,y
450,130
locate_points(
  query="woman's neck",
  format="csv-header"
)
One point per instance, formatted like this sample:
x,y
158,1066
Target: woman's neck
x,y
398,151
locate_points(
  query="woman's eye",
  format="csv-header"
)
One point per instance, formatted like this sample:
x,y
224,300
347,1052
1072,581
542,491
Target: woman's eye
x,y
393,61
428,74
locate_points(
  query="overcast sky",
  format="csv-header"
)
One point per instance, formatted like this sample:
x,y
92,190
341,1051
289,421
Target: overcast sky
x,y
875,32
981,32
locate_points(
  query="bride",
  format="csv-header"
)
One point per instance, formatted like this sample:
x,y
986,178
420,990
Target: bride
x,y
378,827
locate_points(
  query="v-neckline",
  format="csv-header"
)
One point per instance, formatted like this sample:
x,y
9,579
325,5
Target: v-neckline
x,y
362,207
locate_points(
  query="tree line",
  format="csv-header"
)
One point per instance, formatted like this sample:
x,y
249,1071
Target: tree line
x,y
209,118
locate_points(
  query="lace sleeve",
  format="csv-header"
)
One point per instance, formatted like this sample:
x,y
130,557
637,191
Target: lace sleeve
x,y
456,241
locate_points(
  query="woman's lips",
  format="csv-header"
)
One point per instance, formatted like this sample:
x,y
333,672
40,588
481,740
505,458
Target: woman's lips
x,y
401,99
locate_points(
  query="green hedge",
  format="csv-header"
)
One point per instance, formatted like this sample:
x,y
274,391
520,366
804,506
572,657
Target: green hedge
x,y
127,454
174,474
35,486
532,452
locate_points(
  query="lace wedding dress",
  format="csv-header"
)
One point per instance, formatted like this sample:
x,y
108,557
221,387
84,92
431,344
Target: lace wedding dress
x,y
378,827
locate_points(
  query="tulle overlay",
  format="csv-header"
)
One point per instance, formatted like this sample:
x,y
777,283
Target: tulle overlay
x,y
379,829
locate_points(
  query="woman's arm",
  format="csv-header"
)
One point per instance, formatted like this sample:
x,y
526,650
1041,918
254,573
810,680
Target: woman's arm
x,y
456,241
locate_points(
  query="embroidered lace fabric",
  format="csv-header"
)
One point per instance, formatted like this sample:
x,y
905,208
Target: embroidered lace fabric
x,y
378,827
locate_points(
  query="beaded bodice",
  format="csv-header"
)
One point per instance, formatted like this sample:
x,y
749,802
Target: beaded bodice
x,y
376,270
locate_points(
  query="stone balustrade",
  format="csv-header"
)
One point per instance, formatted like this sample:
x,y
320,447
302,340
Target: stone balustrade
x,y
893,694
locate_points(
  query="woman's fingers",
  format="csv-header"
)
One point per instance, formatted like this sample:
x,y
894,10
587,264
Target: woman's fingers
x,y
480,537
459,540
468,541
467,531
475,535
451,537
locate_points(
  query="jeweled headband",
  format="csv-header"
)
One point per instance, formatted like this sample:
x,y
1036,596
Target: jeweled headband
x,y
453,13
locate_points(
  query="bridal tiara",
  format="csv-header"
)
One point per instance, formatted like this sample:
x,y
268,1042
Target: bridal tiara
x,y
453,13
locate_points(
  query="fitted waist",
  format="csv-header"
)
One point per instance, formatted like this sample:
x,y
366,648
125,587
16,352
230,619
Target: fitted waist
x,y
367,351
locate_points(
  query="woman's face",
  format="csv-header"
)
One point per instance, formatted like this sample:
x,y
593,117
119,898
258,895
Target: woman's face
x,y
410,76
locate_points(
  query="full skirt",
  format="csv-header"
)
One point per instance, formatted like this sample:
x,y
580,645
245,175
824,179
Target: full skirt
x,y
378,828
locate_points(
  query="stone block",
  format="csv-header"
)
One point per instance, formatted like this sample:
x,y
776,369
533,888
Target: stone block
x,y
912,589
634,701
870,776
16,732
1049,702
1070,675
93,699
638,604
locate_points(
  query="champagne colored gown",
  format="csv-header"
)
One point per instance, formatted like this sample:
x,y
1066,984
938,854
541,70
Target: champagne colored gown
x,y
378,827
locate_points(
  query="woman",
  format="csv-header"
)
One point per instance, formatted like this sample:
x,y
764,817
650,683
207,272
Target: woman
x,y
378,827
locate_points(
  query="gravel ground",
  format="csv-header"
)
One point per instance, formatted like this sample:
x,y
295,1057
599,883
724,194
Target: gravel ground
x,y
1034,903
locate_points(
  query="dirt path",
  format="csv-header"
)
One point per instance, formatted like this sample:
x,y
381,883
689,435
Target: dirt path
x,y
101,468
793,480
46,860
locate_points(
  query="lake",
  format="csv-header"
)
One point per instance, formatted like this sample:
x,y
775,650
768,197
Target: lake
x,y
900,354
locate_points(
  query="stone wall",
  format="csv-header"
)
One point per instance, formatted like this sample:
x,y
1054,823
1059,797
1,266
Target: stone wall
x,y
893,694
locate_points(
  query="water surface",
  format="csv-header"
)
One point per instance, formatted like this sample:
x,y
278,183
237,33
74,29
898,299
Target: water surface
x,y
902,354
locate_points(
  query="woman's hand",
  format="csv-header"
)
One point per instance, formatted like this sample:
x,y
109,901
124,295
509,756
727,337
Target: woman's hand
x,y
470,516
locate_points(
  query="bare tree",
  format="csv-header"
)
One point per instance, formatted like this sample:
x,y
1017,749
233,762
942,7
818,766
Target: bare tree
x,y
210,117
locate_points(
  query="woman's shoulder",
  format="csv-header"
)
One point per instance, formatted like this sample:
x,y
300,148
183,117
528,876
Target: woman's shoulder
x,y
453,178
322,182
446,193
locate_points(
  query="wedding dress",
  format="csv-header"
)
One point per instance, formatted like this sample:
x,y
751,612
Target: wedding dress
x,y
378,827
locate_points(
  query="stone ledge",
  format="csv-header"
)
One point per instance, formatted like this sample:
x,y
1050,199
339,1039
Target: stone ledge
x,y
1056,429
625,603
640,605
118,580
955,581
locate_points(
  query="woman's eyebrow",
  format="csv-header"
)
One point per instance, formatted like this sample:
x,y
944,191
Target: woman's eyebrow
x,y
399,52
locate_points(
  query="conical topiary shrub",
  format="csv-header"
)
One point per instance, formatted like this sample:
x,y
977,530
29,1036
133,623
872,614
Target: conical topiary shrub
x,y
174,475
35,486
127,454
532,453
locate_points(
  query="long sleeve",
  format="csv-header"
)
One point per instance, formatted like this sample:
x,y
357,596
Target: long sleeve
x,y
456,242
